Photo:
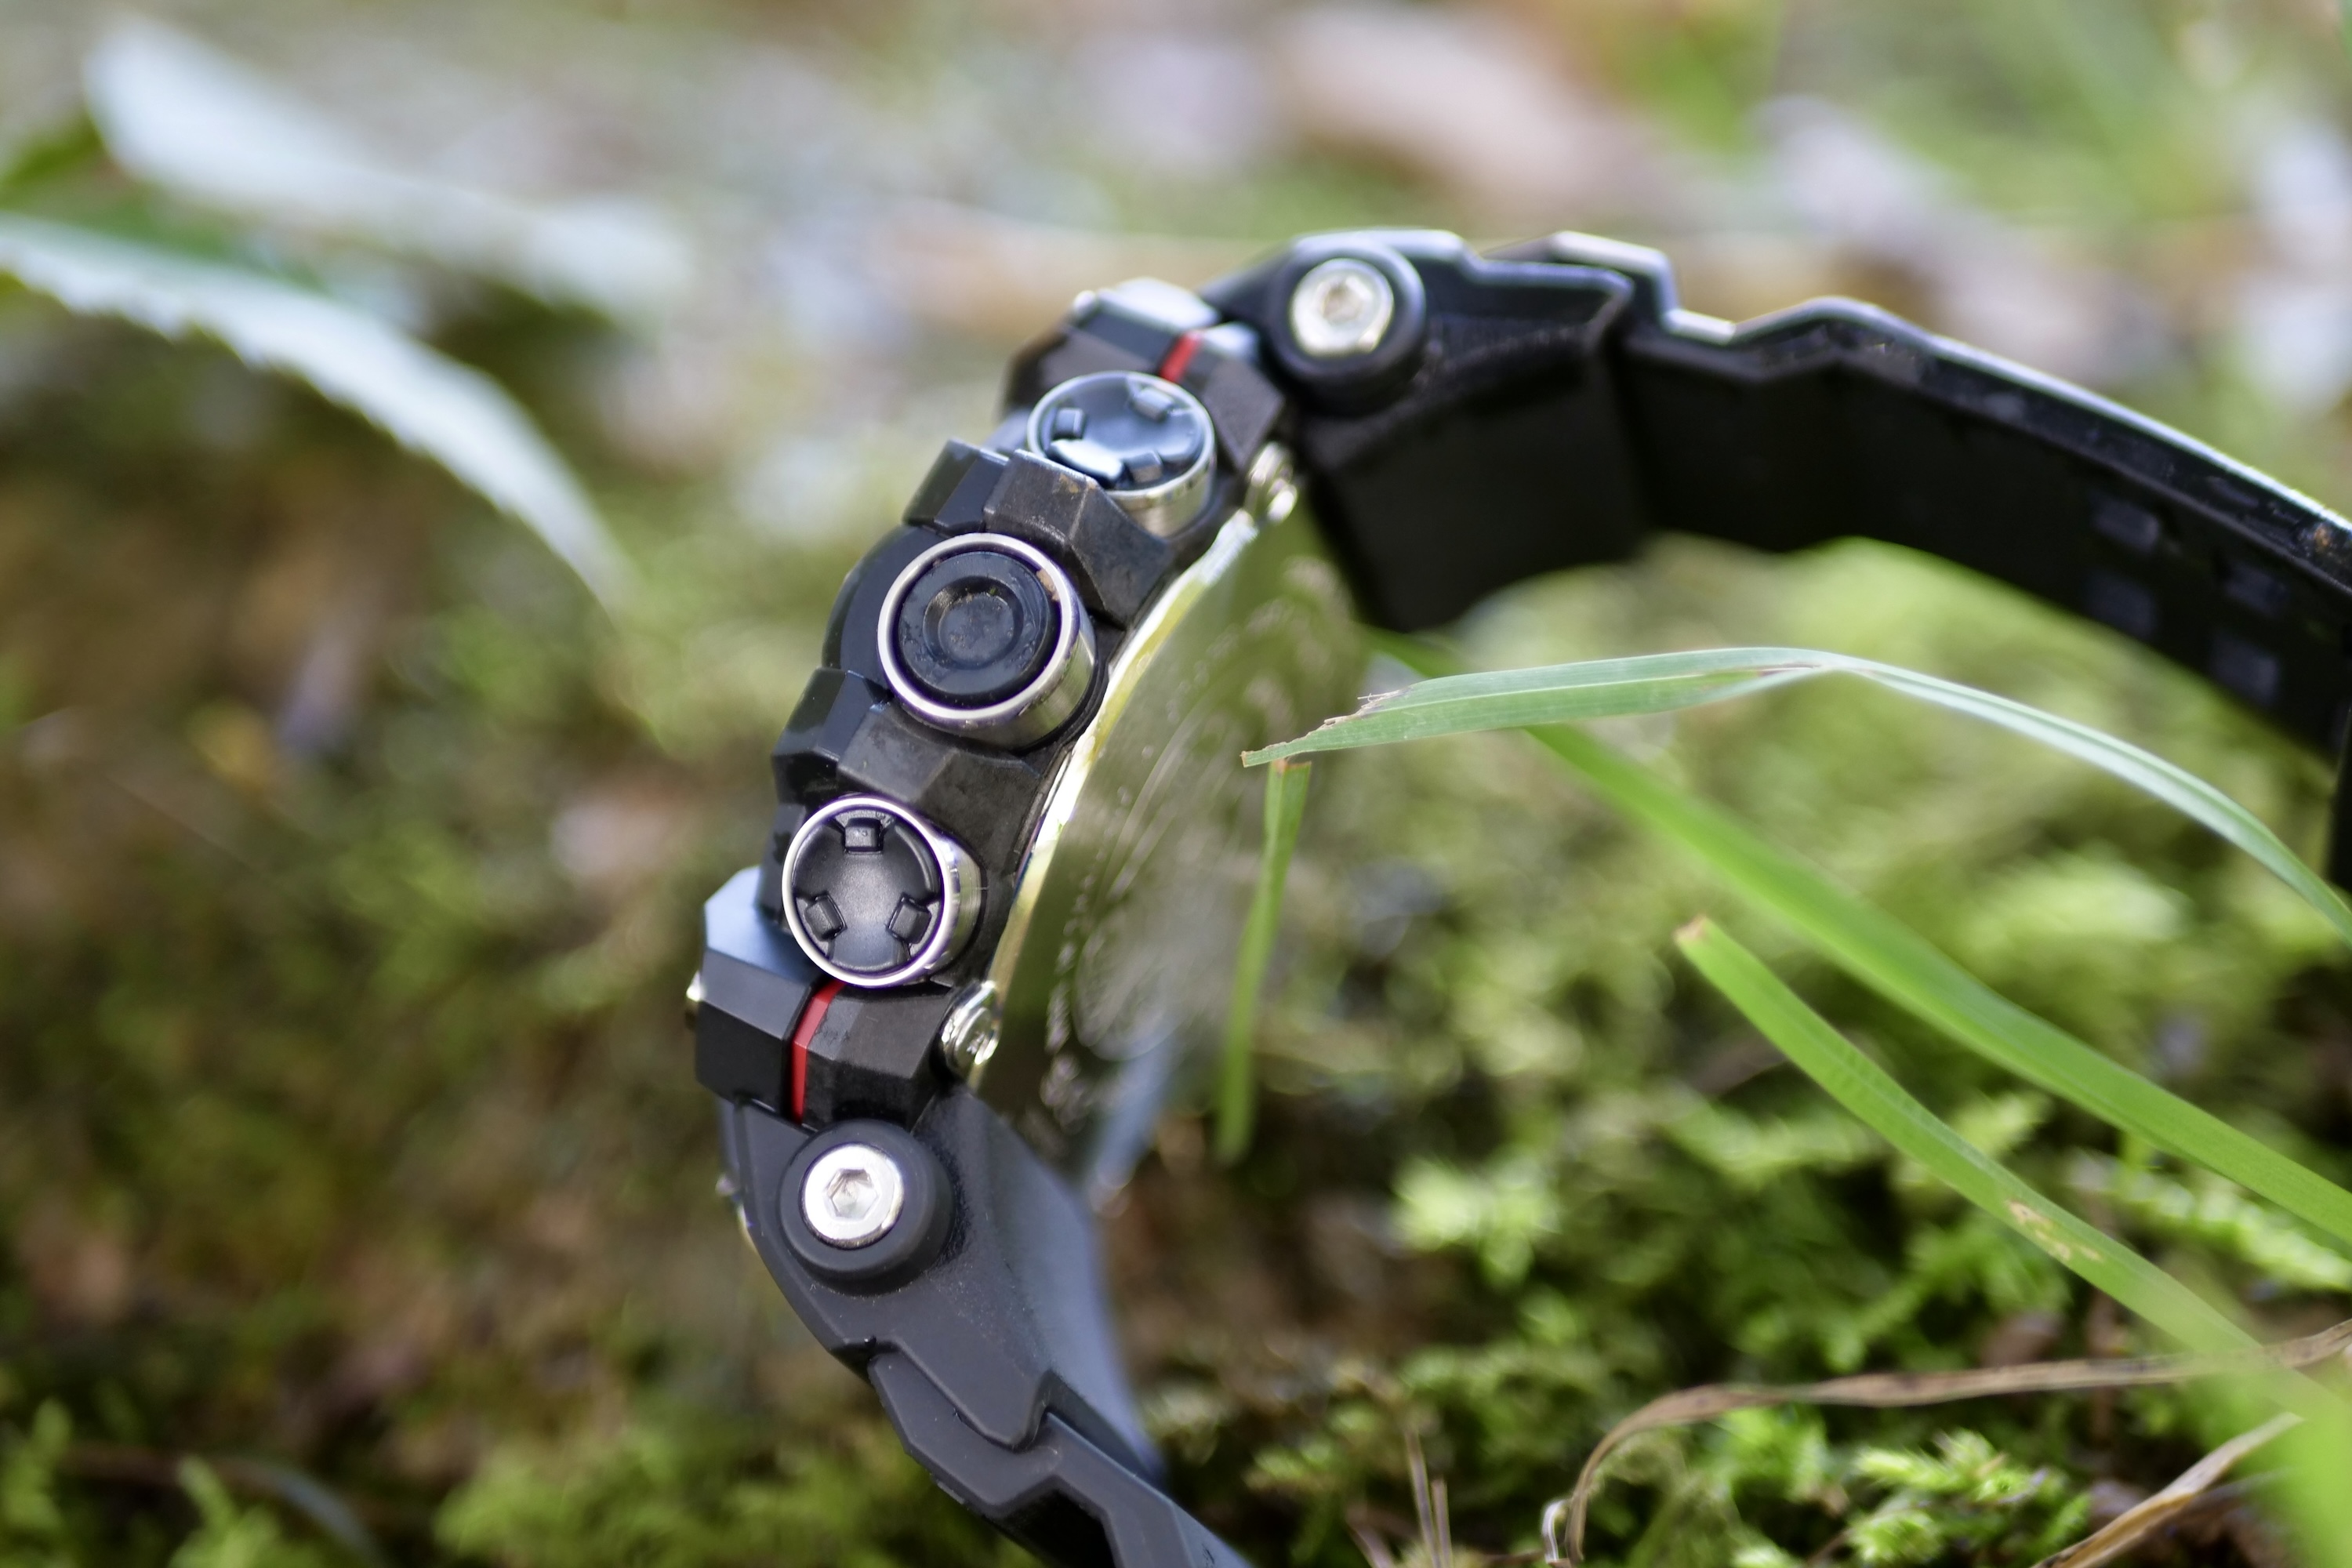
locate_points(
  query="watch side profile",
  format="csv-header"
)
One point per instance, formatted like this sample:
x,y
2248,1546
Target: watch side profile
x,y
992,932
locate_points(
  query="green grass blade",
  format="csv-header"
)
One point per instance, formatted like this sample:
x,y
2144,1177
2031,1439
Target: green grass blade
x,y
1285,808
1912,972
2323,1449
1658,683
1870,1093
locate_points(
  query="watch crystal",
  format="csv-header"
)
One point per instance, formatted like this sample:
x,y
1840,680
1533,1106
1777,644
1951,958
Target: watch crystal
x,y
1118,956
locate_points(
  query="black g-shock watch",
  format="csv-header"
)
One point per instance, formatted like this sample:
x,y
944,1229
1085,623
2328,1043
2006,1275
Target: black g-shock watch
x,y
994,926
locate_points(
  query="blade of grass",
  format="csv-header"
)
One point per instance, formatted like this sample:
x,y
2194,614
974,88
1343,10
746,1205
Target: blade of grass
x,y
1870,1093
1659,683
1285,808
1912,972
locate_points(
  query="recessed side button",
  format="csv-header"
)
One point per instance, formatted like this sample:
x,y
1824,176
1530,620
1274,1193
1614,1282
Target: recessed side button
x,y
875,895
1148,442
984,636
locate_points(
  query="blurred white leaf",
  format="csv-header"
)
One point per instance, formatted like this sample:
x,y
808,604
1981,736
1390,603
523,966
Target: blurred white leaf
x,y
179,113
449,412
2295,339
2301,183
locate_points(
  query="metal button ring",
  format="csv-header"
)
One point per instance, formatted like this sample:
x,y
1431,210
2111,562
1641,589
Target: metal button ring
x,y
1148,442
875,895
984,636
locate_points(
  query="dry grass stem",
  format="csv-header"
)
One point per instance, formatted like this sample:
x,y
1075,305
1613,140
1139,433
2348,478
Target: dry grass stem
x,y
1564,1520
2155,1513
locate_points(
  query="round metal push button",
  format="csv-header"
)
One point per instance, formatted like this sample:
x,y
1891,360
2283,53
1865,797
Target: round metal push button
x,y
1146,441
984,636
975,627
876,896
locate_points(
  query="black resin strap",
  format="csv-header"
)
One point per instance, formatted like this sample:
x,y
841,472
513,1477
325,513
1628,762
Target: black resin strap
x,y
1564,408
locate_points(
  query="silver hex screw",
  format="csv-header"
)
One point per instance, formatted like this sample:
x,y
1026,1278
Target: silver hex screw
x,y
1342,308
853,1194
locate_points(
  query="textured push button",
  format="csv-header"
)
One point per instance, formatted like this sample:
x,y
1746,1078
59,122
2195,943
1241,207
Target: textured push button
x,y
1092,459
1146,441
876,896
984,636
974,626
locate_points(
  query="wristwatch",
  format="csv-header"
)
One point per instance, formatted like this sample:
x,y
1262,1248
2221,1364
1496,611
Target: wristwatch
x,y
995,921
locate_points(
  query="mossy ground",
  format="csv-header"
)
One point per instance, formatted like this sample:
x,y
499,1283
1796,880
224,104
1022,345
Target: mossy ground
x,y
349,860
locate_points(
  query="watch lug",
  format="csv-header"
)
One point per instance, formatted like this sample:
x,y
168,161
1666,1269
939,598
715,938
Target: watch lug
x,y
1061,1496
1010,1322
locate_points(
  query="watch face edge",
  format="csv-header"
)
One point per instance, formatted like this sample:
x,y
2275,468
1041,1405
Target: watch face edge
x,y
1125,913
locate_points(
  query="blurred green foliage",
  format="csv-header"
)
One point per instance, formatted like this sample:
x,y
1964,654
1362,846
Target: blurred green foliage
x,y
350,855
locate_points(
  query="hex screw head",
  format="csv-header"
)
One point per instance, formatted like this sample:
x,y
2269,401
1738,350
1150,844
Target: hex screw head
x,y
1342,308
853,1194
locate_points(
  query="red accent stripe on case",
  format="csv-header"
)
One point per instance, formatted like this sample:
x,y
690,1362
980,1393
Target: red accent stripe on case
x,y
811,1019
1179,357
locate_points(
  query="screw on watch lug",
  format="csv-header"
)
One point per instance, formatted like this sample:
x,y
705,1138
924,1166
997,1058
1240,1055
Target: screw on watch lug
x,y
1483,439
863,1206
853,1194
980,1318
1346,317
1342,308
